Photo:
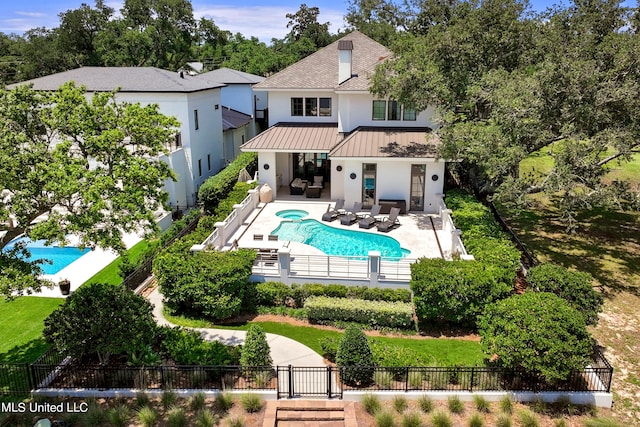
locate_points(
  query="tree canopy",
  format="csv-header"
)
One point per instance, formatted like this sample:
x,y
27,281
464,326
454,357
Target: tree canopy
x,y
73,165
509,83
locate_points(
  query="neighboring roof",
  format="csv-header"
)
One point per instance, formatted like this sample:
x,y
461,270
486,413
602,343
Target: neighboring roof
x,y
232,119
128,79
388,142
298,137
229,76
320,69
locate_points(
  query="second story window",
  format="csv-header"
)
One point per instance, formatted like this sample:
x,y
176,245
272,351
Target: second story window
x,y
379,109
409,114
311,106
296,107
393,112
325,107
195,119
178,139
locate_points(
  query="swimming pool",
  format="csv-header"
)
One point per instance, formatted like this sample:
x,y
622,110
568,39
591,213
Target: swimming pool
x,y
61,257
338,241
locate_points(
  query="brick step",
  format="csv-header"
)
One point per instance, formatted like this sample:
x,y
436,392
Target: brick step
x,y
310,424
310,415
310,405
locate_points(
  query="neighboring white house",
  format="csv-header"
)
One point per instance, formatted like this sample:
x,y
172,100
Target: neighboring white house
x,y
243,114
195,101
326,123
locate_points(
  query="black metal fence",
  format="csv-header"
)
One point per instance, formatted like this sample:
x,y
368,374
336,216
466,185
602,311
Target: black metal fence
x,y
53,370
527,256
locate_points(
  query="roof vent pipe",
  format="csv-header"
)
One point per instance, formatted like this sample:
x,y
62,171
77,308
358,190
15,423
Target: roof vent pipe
x,y
345,48
181,74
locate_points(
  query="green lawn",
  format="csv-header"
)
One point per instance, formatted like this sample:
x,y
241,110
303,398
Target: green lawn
x,y
21,325
109,274
444,351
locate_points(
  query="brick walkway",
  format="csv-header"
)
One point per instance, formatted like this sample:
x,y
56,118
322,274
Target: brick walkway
x,y
310,413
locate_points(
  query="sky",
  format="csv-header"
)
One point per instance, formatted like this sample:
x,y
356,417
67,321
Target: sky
x,y
262,19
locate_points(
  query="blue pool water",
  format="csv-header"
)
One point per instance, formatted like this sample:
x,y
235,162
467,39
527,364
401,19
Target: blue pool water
x,y
292,214
338,241
61,257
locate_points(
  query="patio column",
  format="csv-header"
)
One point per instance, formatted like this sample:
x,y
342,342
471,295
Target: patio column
x,y
220,226
455,239
255,197
374,267
284,261
441,204
445,215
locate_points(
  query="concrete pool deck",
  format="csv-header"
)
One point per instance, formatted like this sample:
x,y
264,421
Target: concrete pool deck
x,y
83,268
415,232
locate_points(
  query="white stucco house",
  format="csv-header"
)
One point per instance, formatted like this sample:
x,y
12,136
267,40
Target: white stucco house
x,y
196,101
243,114
325,123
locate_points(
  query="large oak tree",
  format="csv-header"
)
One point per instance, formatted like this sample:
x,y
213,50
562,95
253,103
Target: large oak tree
x,y
70,164
509,83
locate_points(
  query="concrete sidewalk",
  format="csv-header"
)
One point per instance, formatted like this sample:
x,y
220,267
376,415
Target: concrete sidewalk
x,y
284,351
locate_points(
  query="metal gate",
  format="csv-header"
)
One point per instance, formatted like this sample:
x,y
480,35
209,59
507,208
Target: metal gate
x,y
296,381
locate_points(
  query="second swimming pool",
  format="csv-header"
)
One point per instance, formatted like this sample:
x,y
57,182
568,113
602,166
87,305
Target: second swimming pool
x,y
338,241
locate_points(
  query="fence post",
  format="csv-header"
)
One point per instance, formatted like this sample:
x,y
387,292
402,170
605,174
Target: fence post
x,y
30,376
374,267
406,380
471,382
284,260
290,382
329,381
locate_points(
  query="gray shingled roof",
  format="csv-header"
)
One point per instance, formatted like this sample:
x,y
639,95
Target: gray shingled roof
x,y
128,79
388,142
310,137
233,119
320,69
229,76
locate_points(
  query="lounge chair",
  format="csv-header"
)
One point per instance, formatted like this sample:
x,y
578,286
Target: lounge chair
x,y
351,216
273,237
370,220
389,222
334,213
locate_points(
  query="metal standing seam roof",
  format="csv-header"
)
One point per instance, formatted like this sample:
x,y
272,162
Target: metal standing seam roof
x,y
128,79
386,142
320,69
295,137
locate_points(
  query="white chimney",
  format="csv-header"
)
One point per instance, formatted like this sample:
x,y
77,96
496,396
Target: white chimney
x,y
345,47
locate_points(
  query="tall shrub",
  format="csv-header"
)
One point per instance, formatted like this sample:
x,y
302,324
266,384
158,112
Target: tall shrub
x,y
101,319
537,332
454,291
354,358
573,286
209,284
216,188
255,351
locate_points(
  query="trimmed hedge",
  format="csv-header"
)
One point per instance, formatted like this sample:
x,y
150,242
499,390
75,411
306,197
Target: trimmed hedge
x,y
207,284
455,291
458,291
206,225
216,188
275,294
373,313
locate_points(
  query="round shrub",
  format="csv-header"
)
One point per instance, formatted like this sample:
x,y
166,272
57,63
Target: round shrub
x,y
355,359
101,319
537,332
573,286
255,351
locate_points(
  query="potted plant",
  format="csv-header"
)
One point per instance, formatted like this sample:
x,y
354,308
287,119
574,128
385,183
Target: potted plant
x,y
65,286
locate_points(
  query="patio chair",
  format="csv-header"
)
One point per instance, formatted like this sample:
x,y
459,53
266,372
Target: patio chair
x,y
334,213
258,237
351,216
273,237
389,222
370,220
